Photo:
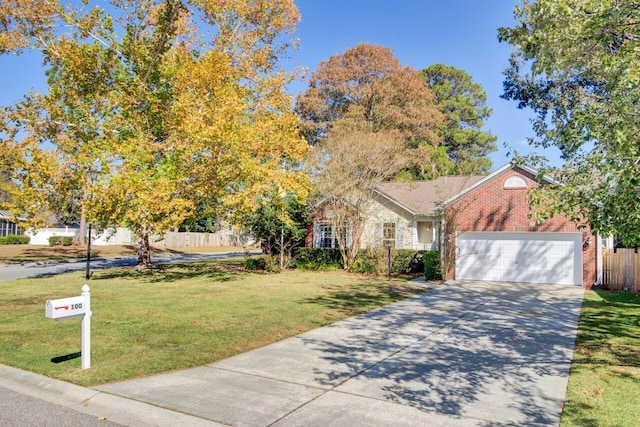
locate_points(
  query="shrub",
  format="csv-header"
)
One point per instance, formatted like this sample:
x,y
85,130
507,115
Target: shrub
x,y
317,259
376,261
255,263
431,262
60,241
415,264
262,263
401,260
371,261
13,239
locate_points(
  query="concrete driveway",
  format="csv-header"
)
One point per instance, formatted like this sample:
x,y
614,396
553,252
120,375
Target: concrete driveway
x,y
460,354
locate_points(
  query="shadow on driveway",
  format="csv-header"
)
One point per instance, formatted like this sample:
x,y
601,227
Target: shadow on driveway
x,y
499,353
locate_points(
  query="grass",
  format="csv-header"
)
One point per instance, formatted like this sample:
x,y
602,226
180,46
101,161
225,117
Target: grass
x,y
175,316
25,253
604,384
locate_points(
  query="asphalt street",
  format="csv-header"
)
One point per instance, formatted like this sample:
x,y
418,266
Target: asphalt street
x,y
18,409
48,268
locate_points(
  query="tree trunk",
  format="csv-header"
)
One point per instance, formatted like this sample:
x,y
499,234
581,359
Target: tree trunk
x,y
349,249
144,250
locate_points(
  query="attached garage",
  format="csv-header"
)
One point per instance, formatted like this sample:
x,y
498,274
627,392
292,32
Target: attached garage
x,y
530,257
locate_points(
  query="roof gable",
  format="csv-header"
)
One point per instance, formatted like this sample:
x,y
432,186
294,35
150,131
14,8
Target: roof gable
x,y
495,174
426,197
423,197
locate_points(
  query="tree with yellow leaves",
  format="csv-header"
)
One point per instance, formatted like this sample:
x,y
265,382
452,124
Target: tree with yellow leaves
x,y
175,103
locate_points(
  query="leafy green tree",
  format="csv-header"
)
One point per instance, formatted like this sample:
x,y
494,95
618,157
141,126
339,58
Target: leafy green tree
x,y
576,66
464,105
174,102
200,225
280,223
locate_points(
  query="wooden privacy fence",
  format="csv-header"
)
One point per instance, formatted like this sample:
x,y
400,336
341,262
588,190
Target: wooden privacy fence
x,y
199,240
620,270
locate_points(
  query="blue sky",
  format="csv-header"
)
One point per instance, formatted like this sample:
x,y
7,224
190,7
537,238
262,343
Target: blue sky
x,y
462,33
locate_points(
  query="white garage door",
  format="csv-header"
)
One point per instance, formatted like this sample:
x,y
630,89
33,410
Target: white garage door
x,y
520,257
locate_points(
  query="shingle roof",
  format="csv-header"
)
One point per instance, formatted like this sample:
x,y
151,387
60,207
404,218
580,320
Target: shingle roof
x,y
422,197
8,215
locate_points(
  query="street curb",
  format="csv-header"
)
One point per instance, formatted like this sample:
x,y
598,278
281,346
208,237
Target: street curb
x,y
92,402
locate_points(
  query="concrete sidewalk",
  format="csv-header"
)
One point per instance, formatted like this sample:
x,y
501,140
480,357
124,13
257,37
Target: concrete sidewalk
x,y
460,354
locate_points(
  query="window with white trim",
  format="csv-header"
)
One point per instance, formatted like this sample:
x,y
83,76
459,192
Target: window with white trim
x,y
514,182
326,236
8,227
389,233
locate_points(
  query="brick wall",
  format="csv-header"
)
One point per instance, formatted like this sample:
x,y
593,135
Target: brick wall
x,y
491,207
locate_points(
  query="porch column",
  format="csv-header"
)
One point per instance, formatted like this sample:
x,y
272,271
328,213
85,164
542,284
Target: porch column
x,y
434,234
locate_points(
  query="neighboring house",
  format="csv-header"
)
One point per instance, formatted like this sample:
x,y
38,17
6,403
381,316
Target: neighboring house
x,y
482,226
7,226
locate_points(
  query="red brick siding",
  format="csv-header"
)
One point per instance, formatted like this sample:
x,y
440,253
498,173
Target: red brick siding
x,y
317,215
491,207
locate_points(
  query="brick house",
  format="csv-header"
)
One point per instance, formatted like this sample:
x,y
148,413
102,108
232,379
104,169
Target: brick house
x,y
481,224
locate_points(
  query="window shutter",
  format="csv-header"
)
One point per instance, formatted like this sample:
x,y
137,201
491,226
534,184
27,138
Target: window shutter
x,y
399,235
316,234
378,234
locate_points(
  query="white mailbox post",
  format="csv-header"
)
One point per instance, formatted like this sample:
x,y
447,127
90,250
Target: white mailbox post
x,y
72,308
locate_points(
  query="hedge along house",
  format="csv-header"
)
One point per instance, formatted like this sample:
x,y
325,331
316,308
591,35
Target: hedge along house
x,y
482,226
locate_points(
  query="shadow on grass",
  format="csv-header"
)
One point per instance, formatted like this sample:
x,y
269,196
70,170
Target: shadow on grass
x,y
362,296
574,411
174,272
610,329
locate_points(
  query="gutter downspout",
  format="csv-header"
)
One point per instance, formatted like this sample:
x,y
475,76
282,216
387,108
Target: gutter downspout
x,y
599,261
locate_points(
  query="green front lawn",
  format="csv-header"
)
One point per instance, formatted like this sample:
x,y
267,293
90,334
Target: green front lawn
x,y
604,385
175,316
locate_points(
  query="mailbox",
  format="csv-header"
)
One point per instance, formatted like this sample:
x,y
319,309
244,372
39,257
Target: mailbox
x,y
66,308
71,308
